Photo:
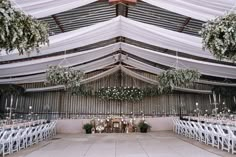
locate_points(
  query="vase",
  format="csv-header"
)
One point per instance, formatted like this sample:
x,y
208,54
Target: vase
x,y
88,131
143,130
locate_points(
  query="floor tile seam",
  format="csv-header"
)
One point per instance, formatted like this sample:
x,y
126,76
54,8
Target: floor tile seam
x,y
86,152
142,147
170,146
186,141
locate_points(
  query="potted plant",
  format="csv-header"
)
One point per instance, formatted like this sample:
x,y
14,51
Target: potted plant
x,y
143,126
88,128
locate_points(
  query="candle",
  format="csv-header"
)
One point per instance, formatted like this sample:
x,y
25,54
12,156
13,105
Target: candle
x,y
210,98
6,103
214,96
234,100
16,102
219,97
11,100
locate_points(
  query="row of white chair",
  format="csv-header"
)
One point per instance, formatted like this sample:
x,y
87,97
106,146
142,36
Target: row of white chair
x,y
217,135
17,138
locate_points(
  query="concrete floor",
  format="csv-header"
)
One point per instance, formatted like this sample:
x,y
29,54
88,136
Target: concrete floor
x,y
155,144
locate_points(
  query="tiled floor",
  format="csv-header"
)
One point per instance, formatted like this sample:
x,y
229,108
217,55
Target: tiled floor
x,y
155,144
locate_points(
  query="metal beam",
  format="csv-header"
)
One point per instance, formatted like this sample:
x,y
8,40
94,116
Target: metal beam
x,y
58,23
186,22
181,29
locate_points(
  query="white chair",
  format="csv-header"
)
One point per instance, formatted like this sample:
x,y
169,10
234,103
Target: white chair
x,y
232,132
226,141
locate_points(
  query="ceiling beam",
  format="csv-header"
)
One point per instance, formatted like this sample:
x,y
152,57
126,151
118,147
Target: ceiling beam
x,y
181,28
186,22
58,23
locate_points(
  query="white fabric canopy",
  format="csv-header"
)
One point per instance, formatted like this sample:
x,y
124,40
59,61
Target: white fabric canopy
x,y
155,70
41,65
198,9
74,39
84,81
43,8
89,67
111,71
121,26
212,69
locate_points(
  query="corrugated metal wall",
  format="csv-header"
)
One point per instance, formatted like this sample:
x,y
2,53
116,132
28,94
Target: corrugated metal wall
x,y
65,104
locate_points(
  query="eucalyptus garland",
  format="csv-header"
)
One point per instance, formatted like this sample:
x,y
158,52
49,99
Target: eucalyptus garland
x,y
177,78
120,93
219,36
20,31
57,75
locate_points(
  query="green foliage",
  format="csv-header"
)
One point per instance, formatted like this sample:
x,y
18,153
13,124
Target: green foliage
x,y
87,126
219,36
81,90
9,89
143,125
177,78
57,75
120,93
19,31
225,91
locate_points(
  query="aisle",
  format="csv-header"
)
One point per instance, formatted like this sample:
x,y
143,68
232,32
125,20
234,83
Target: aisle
x,y
161,144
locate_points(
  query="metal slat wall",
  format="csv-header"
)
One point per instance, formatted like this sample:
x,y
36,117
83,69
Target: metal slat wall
x,y
67,105
71,105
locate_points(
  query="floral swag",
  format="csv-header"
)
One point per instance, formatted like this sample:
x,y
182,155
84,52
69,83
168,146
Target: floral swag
x,y
70,78
219,36
19,31
121,93
177,78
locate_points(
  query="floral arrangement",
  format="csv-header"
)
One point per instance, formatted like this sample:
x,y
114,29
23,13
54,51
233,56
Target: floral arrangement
x,y
20,31
121,93
177,78
143,126
99,128
219,36
57,75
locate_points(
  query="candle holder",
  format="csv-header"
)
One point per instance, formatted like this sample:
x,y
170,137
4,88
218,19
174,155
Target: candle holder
x,y
10,108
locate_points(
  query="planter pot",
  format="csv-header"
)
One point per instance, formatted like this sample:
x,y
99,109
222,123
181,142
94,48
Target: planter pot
x,y
88,131
143,130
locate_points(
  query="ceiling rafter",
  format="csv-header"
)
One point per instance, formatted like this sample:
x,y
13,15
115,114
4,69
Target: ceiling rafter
x,y
58,23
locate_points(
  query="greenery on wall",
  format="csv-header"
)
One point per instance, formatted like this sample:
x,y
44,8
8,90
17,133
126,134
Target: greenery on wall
x,y
20,31
117,93
120,93
219,36
70,78
177,78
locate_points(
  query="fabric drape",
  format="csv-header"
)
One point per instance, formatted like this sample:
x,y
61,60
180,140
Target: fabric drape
x,y
198,9
43,8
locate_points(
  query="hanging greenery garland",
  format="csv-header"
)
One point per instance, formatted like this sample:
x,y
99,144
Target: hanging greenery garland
x,y
120,93
219,36
57,75
177,78
20,31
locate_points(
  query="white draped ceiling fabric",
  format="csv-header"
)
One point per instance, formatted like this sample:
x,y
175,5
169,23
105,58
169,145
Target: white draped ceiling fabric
x,y
198,9
121,26
111,71
99,58
40,65
43,8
